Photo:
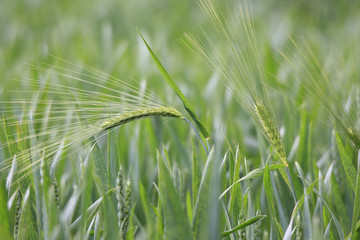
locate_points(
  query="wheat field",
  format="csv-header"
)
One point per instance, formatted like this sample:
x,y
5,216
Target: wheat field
x,y
193,119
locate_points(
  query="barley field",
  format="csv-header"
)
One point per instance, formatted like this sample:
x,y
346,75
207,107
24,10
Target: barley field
x,y
191,119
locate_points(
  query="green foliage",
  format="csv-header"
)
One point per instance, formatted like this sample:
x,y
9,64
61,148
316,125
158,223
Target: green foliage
x,y
281,134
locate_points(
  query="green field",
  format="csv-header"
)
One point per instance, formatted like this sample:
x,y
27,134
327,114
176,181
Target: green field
x,y
179,119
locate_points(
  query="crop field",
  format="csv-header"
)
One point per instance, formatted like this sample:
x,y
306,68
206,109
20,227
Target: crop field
x,y
191,119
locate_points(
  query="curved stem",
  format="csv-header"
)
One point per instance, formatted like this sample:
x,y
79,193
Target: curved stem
x,y
198,136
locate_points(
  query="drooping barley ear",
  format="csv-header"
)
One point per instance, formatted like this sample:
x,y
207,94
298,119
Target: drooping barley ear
x,y
17,214
299,234
258,235
57,194
139,114
270,131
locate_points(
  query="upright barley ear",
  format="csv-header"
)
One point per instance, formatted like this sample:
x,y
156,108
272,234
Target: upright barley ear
x,y
354,136
119,195
17,214
243,230
270,131
299,234
258,227
126,213
57,194
358,104
123,196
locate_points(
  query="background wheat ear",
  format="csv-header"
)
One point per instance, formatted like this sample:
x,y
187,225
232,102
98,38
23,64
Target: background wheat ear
x,y
331,82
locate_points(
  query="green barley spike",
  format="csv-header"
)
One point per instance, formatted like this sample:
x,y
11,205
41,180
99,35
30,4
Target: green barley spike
x,y
258,227
354,136
119,196
299,234
57,194
17,214
126,210
243,230
270,131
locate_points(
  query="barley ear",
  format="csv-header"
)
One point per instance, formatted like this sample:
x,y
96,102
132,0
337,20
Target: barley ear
x,y
126,213
17,214
354,137
57,195
123,196
243,230
140,114
299,234
270,131
119,195
258,227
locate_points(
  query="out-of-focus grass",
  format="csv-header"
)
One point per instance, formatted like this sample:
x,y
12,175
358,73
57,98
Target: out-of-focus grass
x,y
175,192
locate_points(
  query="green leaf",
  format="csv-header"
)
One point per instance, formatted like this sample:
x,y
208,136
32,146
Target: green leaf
x,y
251,175
356,209
112,159
270,201
196,175
202,211
189,207
146,208
28,225
4,218
347,162
333,216
176,89
243,225
302,151
176,223
235,199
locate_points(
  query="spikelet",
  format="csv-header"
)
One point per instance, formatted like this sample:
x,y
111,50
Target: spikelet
x,y
243,230
119,196
57,194
257,234
270,131
17,214
139,114
299,234
126,213
123,195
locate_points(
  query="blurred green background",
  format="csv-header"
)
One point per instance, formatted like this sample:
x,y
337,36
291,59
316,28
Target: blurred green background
x,y
102,34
